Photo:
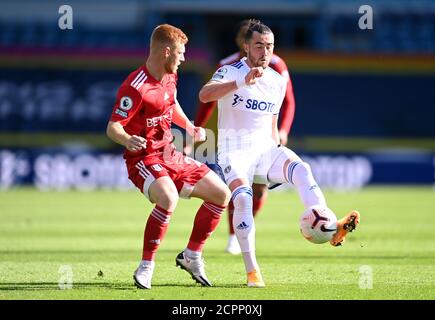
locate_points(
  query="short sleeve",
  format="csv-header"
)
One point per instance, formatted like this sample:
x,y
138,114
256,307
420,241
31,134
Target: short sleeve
x,y
226,74
128,102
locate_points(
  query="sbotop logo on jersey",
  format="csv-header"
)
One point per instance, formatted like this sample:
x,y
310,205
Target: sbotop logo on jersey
x,y
253,104
237,100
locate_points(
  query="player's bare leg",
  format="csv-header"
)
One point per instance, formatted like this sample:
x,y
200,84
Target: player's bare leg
x,y
243,222
212,189
216,196
258,200
164,194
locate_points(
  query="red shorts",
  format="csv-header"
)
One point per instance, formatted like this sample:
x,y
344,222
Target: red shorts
x,y
184,171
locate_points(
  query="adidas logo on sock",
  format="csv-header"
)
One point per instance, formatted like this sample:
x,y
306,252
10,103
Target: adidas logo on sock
x,y
242,226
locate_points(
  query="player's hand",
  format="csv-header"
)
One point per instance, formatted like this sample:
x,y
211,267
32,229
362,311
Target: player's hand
x,y
253,74
136,143
283,137
188,148
199,134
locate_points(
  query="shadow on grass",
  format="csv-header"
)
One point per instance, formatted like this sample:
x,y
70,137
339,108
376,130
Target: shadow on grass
x,y
219,286
19,286
41,286
72,251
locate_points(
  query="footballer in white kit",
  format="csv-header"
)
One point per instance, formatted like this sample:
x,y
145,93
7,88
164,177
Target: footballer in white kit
x,y
246,147
249,96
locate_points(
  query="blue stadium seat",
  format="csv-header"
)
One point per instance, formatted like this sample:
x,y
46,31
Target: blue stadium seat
x,y
8,36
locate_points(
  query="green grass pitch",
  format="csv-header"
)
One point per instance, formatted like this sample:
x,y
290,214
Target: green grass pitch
x,y
99,236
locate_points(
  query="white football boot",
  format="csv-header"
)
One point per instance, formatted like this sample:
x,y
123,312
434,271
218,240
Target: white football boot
x,y
143,275
195,267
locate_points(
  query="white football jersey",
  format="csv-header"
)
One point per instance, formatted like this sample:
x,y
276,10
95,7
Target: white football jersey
x,y
245,115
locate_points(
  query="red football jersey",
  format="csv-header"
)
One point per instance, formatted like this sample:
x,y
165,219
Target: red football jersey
x,y
144,107
287,110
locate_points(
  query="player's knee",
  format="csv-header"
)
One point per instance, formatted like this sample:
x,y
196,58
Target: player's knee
x,y
302,169
168,200
242,197
221,196
225,196
214,190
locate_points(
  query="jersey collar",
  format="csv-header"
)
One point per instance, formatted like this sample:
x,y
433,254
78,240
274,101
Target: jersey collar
x,y
149,75
243,60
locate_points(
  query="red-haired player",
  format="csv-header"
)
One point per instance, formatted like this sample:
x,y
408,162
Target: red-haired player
x,y
141,121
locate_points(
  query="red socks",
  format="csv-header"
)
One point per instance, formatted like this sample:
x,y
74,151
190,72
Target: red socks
x,y
155,231
205,223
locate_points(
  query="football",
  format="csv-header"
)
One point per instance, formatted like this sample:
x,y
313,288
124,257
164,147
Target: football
x,y
318,224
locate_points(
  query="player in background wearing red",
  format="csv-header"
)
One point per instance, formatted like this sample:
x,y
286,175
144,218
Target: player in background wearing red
x,y
141,121
286,116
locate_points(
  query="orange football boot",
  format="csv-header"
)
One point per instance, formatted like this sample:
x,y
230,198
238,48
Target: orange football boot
x,y
255,279
344,226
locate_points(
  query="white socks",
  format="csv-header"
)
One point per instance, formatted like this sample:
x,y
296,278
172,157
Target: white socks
x,y
145,263
299,173
244,227
192,254
250,261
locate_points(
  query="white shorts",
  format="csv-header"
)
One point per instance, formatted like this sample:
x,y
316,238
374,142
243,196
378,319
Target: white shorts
x,y
268,166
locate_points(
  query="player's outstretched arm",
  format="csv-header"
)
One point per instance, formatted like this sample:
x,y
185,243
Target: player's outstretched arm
x,y
181,120
115,131
215,90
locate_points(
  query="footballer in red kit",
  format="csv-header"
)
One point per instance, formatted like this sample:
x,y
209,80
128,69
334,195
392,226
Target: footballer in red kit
x,y
144,107
141,120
